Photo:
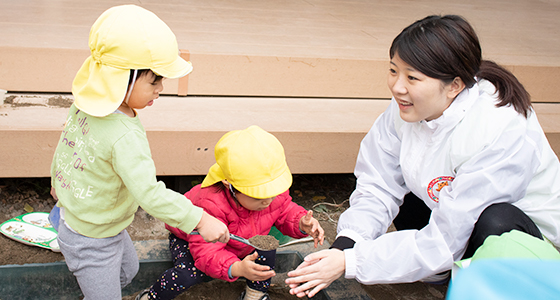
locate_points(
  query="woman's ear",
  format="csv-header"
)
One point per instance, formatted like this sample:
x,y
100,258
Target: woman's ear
x,y
455,87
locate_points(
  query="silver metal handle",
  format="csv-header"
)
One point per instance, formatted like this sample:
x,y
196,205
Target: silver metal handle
x,y
239,239
233,237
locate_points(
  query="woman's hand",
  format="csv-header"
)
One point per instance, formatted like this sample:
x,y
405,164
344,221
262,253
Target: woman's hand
x,y
312,227
249,269
316,272
211,229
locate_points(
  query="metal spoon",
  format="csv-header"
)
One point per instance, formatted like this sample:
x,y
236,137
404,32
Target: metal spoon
x,y
236,238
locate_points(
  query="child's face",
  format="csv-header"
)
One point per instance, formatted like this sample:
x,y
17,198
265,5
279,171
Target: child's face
x,y
146,89
251,203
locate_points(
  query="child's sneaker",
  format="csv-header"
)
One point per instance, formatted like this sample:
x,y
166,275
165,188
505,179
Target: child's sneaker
x,y
250,294
142,295
439,278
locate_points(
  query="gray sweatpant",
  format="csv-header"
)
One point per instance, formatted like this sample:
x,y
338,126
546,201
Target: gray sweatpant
x,y
101,266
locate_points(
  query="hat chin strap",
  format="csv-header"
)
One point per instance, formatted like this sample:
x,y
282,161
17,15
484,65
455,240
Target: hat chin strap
x,y
232,191
131,86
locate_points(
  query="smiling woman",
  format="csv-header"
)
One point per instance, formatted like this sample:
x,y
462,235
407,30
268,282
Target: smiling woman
x,y
458,156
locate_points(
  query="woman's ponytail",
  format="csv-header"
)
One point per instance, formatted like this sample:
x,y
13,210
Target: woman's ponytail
x,y
510,90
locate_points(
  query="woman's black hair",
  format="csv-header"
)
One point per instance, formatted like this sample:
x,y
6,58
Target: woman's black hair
x,y
446,47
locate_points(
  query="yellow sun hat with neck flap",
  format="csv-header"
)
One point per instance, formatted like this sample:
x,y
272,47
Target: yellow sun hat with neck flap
x,y
124,38
253,161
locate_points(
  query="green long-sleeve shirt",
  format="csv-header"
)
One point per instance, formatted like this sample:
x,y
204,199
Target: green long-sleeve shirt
x,y
103,170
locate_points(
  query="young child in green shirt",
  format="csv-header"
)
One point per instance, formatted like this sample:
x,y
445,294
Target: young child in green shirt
x,y
102,169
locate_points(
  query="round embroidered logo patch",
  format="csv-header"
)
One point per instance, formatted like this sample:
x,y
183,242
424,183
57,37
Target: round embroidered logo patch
x,y
436,185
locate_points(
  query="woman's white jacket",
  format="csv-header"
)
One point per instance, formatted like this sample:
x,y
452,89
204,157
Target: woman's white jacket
x,y
474,155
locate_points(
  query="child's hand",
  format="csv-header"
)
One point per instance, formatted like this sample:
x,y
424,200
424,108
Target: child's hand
x,y
249,269
53,193
211,229
312,227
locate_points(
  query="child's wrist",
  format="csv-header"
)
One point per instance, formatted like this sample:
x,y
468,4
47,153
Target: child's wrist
x,y
230,276
232,272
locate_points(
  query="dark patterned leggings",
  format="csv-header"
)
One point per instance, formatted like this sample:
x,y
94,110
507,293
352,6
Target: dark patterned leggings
x,y
184,274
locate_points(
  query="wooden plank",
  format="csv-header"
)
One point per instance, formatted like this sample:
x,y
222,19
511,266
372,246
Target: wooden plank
x,y
53,70
549,116
183,83
25,69
272,51
28,153
295,48
287,76
540,81
319,135
192,153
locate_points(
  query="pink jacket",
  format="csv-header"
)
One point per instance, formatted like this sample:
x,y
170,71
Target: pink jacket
x,y
215,259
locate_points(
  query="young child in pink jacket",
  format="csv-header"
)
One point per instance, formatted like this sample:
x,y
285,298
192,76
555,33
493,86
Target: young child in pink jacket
x,y
248,190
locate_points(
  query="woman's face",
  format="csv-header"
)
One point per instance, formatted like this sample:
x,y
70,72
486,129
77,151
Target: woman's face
x,y
419,97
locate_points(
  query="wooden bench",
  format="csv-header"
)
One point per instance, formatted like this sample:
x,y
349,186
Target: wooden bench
x,y
311,72
319,135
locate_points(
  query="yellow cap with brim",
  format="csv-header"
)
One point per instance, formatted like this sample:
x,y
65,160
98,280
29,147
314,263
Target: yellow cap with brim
x,y
124,38
253,161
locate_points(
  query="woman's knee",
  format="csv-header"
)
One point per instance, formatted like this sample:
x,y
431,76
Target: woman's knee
x,y
500,218
504,217
497,218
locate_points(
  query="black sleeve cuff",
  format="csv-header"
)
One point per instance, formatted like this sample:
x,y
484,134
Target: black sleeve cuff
x,y
342,243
